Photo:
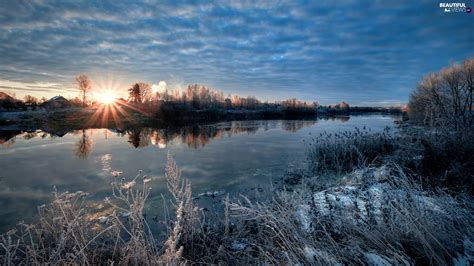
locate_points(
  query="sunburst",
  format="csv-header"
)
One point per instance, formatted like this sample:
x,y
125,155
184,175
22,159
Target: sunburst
x,y
106,97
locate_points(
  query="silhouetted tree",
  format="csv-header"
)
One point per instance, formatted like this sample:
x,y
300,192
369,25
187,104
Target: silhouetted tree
x,y
84,85
139,92
30,100
134,95
228,103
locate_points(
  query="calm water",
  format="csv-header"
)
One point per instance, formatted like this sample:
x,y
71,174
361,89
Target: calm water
x,y
229,157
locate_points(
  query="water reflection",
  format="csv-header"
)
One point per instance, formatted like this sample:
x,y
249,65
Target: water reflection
x,y
7,137
240,157
194,137
30,135
139,137
294,126
83,147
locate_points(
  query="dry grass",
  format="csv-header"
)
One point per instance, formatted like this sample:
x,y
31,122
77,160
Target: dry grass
x,y
69,232
340,153
403,225
441,157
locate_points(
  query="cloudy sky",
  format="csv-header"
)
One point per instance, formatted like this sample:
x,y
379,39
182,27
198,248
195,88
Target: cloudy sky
x,y
367,53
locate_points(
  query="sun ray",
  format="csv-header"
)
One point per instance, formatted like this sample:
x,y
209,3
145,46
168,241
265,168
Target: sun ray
x,y
105,116
120,110
134,108
95,116
115,117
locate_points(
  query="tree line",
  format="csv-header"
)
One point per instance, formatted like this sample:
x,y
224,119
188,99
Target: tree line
x,y
201,97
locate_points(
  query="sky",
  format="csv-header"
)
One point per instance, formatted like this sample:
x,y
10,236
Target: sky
x,y
362,52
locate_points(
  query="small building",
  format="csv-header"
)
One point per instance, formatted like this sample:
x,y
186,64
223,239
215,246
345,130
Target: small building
x,y
6,97
7,102
57,102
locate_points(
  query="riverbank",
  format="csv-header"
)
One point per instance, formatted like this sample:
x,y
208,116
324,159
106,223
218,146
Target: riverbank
x,y
65,120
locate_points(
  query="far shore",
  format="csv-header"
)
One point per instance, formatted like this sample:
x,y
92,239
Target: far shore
x,y
79,118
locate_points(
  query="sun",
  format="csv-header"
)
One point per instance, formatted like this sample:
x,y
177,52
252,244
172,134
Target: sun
x,y
106,97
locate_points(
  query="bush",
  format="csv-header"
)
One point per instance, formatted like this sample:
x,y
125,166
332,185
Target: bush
x,y
448,159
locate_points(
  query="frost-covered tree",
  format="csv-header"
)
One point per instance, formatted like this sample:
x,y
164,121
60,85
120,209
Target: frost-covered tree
x,y
445,98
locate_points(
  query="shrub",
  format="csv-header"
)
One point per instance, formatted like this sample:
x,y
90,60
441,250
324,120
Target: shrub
x,y
448,159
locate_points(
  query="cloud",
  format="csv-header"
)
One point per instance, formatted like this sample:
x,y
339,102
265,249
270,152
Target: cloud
x,y
358,51
161,87
31,87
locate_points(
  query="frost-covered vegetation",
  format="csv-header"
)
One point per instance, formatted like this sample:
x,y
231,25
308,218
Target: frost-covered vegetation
x,y
445,99
340,152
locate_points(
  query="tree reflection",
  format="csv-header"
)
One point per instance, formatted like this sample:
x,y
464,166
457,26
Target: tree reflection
x,y
295,125
197,136
30,135
342,119
83,147
158,140
139,137
7,137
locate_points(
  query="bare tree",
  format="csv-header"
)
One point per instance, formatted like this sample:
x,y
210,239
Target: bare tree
x,y
452,85
445,98
84,85
468,71
145,92
31,100
295,103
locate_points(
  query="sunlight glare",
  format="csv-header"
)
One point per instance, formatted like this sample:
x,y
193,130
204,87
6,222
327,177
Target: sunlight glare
x,y
106,97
